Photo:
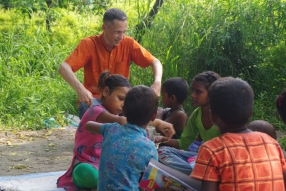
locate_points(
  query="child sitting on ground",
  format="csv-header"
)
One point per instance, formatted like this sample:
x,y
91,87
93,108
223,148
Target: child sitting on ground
x,y
83,172
239,159
126,150
281,106
199,127
174,93
264,127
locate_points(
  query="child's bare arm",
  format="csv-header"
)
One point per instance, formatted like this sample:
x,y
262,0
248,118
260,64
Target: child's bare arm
x,y
209,185
106,117
166,128
167,141
93,127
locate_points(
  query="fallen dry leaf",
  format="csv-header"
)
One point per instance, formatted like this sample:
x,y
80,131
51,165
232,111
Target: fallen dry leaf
x,y
20,166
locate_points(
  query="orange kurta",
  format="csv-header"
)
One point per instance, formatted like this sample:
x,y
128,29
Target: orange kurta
x,y
242,162
92,54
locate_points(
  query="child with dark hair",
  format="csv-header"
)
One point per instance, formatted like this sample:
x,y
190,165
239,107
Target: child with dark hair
x,y
264,127
83,172
281,105
239,159
126,150
174,93
199,127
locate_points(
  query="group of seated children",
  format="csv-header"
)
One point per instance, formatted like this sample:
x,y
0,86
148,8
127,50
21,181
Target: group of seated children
x,y
228,154
140,103
176,152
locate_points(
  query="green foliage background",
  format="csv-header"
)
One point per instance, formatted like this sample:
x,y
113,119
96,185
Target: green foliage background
x,y
240,38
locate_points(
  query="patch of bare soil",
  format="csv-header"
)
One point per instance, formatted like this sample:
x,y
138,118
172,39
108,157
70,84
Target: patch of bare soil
x,y
24,152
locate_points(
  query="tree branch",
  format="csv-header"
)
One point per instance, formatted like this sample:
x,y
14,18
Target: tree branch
x,y
147,21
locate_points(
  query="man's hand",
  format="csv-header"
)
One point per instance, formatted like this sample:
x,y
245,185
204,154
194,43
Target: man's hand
x,y
85,96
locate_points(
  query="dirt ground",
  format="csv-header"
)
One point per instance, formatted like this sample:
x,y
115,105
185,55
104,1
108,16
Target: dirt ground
x,y
25,152
47,150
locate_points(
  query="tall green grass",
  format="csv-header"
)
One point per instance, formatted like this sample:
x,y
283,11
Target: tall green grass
x,y
31,88
234,37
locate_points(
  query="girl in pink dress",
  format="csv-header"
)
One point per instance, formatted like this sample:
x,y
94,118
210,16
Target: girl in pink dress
x,y
83,171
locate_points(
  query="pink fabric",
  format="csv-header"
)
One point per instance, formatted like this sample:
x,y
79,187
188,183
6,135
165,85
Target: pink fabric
x,y
87,147
191,159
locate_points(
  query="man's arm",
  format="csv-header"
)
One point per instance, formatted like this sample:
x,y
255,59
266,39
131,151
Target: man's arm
x,y
93,127
84,95
157,71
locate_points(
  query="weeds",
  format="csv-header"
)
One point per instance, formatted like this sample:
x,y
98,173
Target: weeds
x,y
238,38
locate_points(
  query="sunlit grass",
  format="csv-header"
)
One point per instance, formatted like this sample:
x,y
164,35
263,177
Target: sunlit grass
x,y
239,38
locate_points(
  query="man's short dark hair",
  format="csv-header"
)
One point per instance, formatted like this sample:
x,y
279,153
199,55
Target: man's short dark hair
x,y
178,87
111,14
232,100
140,105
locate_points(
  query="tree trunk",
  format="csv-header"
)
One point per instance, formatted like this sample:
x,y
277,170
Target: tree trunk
x,y
147,21
49,4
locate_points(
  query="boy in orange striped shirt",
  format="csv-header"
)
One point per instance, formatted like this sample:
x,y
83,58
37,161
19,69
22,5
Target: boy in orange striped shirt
x,y
239,159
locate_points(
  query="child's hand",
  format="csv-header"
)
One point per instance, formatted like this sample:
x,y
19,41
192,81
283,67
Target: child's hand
x,y
160,139
166,128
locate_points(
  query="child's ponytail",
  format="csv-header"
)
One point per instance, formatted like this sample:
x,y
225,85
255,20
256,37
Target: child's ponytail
x,y
101,80
111,81
281,105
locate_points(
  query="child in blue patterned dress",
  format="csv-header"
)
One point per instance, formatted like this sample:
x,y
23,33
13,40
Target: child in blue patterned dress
x,y
126,150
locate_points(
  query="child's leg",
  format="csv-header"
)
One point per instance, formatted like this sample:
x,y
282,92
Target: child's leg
x,y
176,159
84,175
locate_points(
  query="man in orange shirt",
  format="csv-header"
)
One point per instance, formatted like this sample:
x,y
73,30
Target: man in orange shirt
x,y
112,51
